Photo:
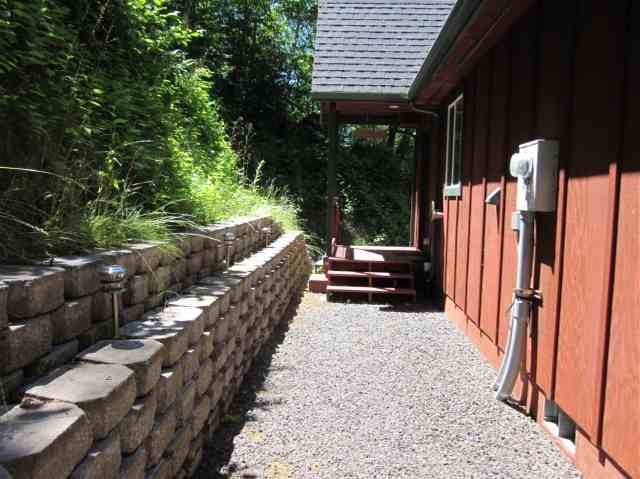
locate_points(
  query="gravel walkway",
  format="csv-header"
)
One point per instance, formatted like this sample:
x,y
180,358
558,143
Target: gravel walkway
x,y
369,391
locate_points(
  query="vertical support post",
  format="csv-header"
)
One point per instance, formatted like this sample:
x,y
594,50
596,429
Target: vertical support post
x,y
331,171
417,216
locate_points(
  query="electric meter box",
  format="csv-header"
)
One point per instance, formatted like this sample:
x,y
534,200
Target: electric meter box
x,y
536,168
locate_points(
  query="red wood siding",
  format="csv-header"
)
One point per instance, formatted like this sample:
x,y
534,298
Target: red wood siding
x,y
462,233
554,94
594,144
567,71
492,248
621,430
478,188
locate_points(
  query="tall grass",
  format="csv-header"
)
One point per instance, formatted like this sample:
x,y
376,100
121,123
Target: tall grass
x,y
221,200
29,233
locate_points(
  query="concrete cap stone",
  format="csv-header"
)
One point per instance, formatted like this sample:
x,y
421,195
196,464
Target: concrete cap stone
x,y
190,319
208,303
236,285
223,293
103,460
105,392
173,336
33,290
81,276
43,438
215,280
137,424
143,356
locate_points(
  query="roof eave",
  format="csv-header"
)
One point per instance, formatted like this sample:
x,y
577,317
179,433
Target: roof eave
x,y
327,96
458,19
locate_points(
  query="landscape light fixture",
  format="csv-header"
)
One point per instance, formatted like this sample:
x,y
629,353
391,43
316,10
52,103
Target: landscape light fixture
x,y
266,231
112,278
394,107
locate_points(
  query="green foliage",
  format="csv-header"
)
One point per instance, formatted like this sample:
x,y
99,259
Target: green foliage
x,y
261,56
261,53
109,223
99,95
374,182
130,119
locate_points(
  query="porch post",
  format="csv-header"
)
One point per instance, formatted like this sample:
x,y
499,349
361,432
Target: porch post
x,y
331,171
418,182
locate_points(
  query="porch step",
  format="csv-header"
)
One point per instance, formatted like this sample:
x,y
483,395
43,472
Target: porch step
x,y
381,261
370,290
369,274
318,283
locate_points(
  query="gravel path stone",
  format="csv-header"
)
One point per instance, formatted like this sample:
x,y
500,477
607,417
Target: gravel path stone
x,y
374,391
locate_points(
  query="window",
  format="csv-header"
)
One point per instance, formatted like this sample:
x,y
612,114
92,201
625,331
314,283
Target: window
x,y
454,148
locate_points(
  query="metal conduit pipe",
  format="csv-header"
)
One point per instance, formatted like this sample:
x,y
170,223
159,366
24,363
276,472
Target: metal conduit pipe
x,y
535,165
520,310
510,339
501,371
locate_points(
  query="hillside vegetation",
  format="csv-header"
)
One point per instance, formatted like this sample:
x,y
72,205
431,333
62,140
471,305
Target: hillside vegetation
x,y
134,119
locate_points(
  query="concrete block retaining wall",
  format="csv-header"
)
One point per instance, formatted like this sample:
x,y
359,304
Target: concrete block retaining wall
x,y
141,406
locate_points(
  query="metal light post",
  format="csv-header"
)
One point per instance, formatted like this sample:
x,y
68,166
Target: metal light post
x,y
229,238
112,278
266,231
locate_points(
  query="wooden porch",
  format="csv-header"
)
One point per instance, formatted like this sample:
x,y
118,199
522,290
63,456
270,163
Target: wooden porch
x,y
371,272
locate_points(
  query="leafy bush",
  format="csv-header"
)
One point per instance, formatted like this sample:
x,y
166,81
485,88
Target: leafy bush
x,y
97,96
374,183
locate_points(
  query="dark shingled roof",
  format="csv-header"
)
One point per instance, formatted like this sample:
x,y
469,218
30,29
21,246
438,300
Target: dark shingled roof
x,y
373,49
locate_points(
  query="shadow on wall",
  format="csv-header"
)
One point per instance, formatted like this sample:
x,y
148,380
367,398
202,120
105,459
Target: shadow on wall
x,y
216,456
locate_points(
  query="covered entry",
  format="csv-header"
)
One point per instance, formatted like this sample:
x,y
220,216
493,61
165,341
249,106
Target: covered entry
x,y
367,57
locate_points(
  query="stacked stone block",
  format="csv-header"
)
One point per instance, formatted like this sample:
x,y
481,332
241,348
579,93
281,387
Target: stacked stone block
x,y
49,312
145,405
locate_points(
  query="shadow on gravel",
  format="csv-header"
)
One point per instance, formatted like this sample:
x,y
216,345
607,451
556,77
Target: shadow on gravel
x,y
420,307
217,454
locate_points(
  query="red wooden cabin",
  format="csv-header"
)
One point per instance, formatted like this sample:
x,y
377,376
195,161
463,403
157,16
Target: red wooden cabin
x,y
510,72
